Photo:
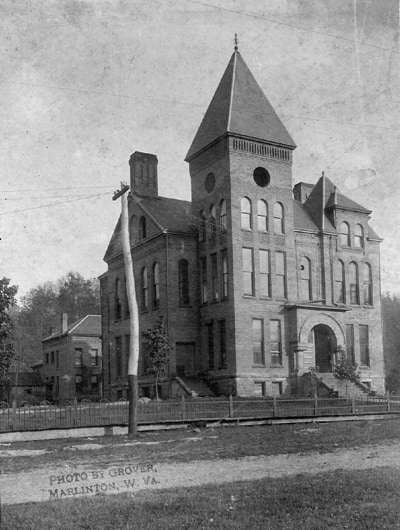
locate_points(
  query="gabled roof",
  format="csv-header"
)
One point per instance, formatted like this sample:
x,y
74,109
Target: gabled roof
x,y
344,203
88,325
302,219
239,107
317,200
170,215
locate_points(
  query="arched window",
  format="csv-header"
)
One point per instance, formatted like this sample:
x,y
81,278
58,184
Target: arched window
x,y
345,234
353,284
156,285
222,216
132,229
145,290
126,304
118,300
262,216
358,236
142,228
203,226
278,219
183,276
213,221
340,294
305,273
367,284
245,209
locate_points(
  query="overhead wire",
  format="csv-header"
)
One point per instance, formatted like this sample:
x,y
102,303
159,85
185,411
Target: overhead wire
x,y
280,23
53,204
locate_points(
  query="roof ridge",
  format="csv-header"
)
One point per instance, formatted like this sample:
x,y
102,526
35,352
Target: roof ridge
x,y
232,89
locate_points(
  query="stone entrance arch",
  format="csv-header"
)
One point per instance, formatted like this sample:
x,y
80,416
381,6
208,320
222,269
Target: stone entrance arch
x,y
320,334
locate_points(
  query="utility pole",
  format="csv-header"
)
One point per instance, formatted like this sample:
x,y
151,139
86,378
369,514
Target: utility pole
x,y
133,360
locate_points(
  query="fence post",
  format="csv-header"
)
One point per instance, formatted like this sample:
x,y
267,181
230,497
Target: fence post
x,y
231,411
183,407
315,404
275,405
388,401
75,411
14,414
353,404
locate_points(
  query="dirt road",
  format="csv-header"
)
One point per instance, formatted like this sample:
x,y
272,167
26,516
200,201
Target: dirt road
x,y
87,478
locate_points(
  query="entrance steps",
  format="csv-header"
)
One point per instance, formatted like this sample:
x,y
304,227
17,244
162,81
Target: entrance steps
x,y
343,388
195,387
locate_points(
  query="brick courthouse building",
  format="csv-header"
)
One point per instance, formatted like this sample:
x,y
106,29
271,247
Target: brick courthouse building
x,y
257,282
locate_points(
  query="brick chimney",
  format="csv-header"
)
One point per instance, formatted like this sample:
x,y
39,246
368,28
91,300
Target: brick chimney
x,y
64,322
144,178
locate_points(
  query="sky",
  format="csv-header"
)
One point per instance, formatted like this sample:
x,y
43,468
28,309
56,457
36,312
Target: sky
x,y
84,84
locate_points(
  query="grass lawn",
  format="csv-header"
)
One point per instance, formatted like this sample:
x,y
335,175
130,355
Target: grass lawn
x,y
355,500
216,443
366,499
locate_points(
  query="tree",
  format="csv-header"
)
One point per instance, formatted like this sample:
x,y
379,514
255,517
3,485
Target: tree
x,y
391,341
344,369
78,297
43,306
157,354
7,300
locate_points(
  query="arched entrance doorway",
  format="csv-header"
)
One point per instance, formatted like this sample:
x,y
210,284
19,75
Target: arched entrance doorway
x,y
325,346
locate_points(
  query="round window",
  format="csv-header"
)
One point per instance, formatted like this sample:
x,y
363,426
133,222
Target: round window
x,y
261,177
210,182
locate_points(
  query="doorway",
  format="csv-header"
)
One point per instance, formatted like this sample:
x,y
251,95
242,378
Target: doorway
x,y
185,359
324,347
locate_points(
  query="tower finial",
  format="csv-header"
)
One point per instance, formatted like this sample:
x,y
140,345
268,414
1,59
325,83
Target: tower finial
x,y
236,41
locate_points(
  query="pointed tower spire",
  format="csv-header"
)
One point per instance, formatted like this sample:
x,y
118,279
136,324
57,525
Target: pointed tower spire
x,y
239,108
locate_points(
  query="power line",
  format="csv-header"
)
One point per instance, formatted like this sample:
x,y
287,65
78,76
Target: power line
x,y
262,17
58,189
99,93
53,204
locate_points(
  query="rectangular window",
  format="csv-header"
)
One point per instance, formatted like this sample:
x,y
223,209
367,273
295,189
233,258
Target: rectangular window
x,y
224,273
47,358
265,283
78,357
275,342
222,344
248,271
259,388
118,356
94,383
276,388
203,273
78,384
57,359
364,345
52,357
280,284
258,341
350,342
210,338
94,357
214,276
